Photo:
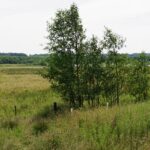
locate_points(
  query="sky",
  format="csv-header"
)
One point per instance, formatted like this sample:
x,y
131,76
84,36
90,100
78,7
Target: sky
x,y
23,23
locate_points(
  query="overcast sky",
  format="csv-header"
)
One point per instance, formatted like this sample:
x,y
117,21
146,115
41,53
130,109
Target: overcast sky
x,y
23,22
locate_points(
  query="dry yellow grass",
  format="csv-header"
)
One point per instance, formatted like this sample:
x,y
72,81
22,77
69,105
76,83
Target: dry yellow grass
x,y
20,83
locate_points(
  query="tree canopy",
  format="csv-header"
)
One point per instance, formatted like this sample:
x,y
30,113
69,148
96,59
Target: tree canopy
x,y
79,69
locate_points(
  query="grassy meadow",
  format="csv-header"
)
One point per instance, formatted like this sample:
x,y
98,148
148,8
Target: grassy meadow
x,y
34,125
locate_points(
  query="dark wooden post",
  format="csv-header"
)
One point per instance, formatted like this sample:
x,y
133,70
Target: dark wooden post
x,y
15,110
55,107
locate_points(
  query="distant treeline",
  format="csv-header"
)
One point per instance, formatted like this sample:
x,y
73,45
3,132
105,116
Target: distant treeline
x,y
12,54
135,55
37,59
21,58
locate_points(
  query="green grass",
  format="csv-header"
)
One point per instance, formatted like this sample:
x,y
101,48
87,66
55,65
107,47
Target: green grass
x,y
20,69
36,127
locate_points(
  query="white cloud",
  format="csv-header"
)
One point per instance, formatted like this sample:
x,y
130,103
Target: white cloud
x,y
23,22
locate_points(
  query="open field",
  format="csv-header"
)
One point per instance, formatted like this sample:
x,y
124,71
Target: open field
x,y
19,69
36,127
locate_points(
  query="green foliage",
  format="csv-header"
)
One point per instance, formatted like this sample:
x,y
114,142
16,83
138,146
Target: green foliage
x,y
93,71
23,59
78,69
115,66
139,78
66,37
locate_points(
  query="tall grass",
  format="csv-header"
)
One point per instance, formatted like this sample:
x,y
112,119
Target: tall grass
x,y
35,126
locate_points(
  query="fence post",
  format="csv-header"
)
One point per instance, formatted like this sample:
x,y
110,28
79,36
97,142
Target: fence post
x,y
15,110
71,110
55,107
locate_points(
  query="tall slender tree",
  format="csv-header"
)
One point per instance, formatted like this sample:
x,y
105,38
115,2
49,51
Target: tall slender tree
x,y
112,82
139,78
93,71
66,35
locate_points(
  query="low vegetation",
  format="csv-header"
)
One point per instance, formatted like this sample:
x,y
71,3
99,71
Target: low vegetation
x,y
36,126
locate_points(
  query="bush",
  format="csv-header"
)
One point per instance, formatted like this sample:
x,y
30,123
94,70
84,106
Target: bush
x,y
40,127
10,123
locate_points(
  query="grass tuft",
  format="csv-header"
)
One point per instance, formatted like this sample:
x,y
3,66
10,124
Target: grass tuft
x,y
39,127
10,123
